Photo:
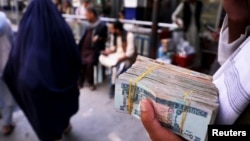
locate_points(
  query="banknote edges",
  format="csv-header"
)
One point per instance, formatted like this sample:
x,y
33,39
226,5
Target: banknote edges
x,y
175,68
171,104
166,91
133,83
184,101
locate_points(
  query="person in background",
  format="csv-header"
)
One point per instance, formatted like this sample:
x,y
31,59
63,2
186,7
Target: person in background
x,y
121,15
59,5
91,44
6,99
121,54
231,79
81,10
215,35
215,65
188,16
67,8
43,69
167,7
165,51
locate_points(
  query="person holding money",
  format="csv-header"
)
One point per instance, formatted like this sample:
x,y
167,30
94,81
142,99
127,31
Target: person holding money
x,y
230,79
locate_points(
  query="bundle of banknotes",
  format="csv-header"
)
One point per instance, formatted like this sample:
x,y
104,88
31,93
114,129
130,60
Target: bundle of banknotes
x,y
185,101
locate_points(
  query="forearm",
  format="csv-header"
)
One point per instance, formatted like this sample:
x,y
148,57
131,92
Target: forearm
x,y
177,12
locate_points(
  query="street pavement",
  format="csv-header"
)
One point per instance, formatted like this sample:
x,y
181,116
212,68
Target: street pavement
x,y
96,120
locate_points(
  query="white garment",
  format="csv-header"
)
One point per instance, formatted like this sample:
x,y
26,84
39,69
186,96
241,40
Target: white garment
x,y
81,11
225,50
128,27
232,79
112,59
192,34
178,13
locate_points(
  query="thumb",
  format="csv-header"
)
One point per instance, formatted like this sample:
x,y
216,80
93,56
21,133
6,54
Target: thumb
x,y
152,125
148,116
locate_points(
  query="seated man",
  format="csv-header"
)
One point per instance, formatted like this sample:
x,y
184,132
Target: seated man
x,y
122,53
165,51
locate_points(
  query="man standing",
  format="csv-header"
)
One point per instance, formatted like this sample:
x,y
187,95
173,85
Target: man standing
x,y
91,44
232,79
81,10
8,103
188,15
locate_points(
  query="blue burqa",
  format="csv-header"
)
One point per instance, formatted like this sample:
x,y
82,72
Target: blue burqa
x,y
43,69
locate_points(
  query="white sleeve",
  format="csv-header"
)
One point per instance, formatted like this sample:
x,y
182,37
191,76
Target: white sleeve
x,y
232,77
112,47
225,48
130,50
77,11
177,12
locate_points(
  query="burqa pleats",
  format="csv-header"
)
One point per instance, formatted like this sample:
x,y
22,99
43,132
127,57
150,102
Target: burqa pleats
x,y
43,69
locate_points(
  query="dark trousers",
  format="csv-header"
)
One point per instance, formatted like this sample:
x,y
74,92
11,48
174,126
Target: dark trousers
x,y
112,86
87,71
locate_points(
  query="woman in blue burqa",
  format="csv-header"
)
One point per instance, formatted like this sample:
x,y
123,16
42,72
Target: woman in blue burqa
x,y
43,69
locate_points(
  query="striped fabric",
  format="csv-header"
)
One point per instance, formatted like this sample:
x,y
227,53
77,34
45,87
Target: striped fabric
x,y
232,79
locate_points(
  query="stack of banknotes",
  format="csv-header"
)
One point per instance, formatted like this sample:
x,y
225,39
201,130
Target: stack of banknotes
x,y
185,101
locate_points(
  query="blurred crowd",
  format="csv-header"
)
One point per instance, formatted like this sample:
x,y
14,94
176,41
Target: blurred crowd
x,y
118,56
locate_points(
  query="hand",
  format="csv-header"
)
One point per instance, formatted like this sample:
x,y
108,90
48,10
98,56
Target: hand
x,y
152,125
216,35
95,38
179,22
237,10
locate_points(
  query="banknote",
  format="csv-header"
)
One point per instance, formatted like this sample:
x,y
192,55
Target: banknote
x,y
175,68
185,101
170,111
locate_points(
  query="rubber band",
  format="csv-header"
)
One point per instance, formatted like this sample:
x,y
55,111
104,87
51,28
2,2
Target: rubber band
x,y
133,84
185,110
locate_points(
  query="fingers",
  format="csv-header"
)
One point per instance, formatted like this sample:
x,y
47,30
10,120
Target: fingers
x,y
148,117
153,127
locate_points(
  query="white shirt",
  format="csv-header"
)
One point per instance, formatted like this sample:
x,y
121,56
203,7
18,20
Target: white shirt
x,y
232,79
119,49
81,11
112,59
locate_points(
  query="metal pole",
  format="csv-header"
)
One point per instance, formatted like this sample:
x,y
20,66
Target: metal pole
x,y
17,11
154,34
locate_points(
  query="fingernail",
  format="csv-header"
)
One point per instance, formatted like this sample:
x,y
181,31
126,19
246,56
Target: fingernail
x,y
143,106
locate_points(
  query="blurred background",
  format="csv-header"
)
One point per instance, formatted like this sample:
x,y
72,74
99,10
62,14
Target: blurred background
x,y
157,34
